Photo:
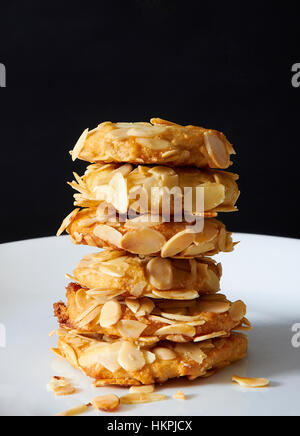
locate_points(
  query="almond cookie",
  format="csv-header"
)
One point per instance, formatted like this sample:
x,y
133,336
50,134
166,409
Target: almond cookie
x,y
157,142
120,273
125,363
150,236
146,319
156,190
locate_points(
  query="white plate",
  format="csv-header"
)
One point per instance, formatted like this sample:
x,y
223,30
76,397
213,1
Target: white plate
x,y
263,271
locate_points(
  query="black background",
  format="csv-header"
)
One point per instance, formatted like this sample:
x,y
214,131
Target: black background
x,y
223,65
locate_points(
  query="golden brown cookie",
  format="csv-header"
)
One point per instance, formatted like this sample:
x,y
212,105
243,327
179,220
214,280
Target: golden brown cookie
x,y
132,319
152,190
125,363
117,273
157,142
145,236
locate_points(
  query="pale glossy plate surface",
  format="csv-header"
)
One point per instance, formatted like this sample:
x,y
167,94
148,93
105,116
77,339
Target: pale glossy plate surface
x,y
263,271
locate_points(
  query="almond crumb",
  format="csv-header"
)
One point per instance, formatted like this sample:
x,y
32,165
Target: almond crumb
x,y
179,396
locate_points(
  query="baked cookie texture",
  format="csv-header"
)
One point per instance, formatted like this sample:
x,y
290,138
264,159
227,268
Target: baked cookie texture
x,y
113,272
125,363
159,141
178,321
147,235
144,189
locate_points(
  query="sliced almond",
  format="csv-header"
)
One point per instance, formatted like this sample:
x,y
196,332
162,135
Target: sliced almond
x,y
216,150
164,353
178,317
149,357
67,221
147,341
191,350
176,329
213,306
130,358
138,289
108,234
111,313
106,403
143,241
82,299
130,328
176,295
146,307
57,352
178,243
238,310
251,382
160,273
154,143
214,195
90,317
212,282
118,195
69,354
113,269
132,304
146,389
140,398
79,145
87,312
210,336
102,354
209,233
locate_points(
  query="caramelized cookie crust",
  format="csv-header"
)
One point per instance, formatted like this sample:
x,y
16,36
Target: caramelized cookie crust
x,y
159,141
129,189
121,273
125,363
150,236
131,319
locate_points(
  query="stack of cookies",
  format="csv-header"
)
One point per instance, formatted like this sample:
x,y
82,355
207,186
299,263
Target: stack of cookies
x,y
147,308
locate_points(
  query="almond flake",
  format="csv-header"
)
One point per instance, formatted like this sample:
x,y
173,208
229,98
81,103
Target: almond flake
x,y
210,336
106,403
102,354
69,354
176,295
108,234
118,195
138,289
176,329
146,307
238,310
191,350
160,273
130,358
130,328
213,306
216,150
79,145
149,357
143,241
111,313
251,382
132,304
140,398
177,243
146,389
164,353
67,221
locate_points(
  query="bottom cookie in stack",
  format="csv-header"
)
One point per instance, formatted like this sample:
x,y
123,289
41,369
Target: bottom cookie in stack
x,y
144,341
120,362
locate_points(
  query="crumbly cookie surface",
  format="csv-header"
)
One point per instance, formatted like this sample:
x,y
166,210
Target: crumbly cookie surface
x,y
159,142
125,363
120,273
148,236
178,321
144,189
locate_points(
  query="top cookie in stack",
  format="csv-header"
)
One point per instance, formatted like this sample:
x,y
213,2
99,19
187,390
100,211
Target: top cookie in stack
x,y
123,295
158,142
